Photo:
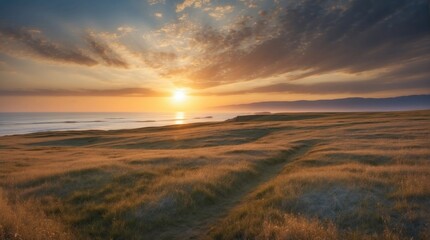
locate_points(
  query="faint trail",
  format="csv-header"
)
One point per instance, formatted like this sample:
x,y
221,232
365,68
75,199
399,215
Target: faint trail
x,y
197,224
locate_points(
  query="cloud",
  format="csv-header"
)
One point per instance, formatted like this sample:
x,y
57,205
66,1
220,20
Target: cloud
x,y
125,29
158,59
317,37
327,88
122,92
250,3
153,2
5,67
410,77
99,48
191,3
219,12
158,14
356,87
106,53
35,44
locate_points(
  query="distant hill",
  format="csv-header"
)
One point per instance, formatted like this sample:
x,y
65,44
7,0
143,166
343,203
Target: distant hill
x,y
415,102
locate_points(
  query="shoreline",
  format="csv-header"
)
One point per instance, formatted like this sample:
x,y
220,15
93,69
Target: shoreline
x,y
245,117
26,123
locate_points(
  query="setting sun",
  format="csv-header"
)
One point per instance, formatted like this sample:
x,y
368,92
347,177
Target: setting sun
x,y
179,95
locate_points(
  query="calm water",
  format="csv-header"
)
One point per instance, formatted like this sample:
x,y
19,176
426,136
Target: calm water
x,y
19,123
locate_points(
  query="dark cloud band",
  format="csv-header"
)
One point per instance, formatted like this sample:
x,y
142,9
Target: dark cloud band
x,y
44,48
122,92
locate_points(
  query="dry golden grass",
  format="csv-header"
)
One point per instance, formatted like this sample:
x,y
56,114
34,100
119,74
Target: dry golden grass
x,y
290,176
20,220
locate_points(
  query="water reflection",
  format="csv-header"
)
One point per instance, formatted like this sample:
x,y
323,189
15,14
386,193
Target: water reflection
x,y
179,117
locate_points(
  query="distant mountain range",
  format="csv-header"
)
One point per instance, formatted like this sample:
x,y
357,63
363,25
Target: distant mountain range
x,y
414,102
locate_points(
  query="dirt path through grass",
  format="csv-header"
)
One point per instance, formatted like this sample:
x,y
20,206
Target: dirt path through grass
x,y
199,224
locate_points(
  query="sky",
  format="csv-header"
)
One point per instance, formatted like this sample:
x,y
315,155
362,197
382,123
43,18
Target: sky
x,y
109,55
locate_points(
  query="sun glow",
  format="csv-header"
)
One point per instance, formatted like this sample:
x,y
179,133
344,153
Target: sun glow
x,y
179,95
179,118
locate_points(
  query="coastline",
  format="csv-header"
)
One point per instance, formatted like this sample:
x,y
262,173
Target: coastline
x,y
22,123
259,116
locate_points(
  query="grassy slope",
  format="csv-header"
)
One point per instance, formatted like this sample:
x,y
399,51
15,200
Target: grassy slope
x,y
290,176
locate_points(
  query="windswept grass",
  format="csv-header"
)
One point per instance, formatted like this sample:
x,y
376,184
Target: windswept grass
x,y
25,220
286,176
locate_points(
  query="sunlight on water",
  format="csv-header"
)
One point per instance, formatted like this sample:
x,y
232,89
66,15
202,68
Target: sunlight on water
x,y
18,123
179,118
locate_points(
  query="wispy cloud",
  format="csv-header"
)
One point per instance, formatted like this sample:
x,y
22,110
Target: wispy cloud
x,y
191,3
34,43
414,76
121,92
107,54
153,2
251,3
125,29
219,12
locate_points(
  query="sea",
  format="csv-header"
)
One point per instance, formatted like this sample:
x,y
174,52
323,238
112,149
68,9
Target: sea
x,y
30,122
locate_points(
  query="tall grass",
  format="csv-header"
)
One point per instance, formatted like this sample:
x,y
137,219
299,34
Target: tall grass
x,y
23,220
330,176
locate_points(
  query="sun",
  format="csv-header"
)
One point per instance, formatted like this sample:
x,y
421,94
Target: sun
x,y
179,95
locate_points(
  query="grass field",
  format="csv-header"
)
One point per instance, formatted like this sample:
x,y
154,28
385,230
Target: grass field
x,y
280,176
